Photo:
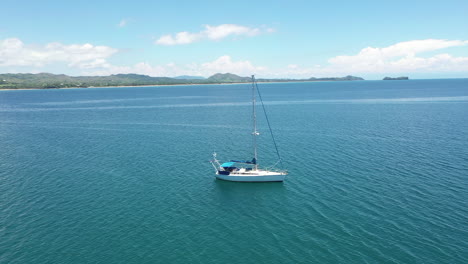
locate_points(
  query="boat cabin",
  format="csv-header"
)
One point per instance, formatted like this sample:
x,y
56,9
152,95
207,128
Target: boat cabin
x,y
232,166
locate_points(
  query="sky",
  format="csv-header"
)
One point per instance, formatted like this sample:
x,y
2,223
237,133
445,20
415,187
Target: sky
x,y
271,39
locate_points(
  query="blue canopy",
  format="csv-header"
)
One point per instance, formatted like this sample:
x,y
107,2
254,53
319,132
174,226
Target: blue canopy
x,y
232,163
228,164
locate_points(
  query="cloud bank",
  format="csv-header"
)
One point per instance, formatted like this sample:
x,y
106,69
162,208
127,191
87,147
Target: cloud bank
x,y
403,57
406,58
210,33
222,64
13,52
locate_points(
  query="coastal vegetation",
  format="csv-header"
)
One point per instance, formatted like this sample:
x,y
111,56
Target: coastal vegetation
x,y
50,81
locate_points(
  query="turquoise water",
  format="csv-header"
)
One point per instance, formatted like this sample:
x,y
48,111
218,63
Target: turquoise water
x,y
378,174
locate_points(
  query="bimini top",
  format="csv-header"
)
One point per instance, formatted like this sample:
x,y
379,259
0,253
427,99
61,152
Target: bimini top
x,y
228,164
232,163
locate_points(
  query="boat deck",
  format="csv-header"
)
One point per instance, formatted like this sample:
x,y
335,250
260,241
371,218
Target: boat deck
x,y
251,173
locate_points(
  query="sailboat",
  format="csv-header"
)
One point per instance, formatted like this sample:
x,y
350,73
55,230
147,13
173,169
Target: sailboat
x,y
248,170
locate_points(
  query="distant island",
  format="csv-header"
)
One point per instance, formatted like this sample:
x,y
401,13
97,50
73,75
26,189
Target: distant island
x,y
51,81
395,79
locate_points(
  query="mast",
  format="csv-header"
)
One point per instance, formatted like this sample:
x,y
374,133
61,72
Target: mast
x,y
255,132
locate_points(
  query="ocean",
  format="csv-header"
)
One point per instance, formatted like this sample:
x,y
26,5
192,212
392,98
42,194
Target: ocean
x,y
378,173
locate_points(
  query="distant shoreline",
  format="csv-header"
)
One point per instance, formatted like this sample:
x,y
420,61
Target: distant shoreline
x,y
26,81
193,84
117,86
156,85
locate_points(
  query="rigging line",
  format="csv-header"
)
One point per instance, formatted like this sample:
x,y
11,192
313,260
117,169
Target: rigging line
x,y
269,127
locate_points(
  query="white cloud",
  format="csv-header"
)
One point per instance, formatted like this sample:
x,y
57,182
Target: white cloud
x,y
225,64
222,31
13,52
178,39
222,64
402,57
211,33
399,58
86,59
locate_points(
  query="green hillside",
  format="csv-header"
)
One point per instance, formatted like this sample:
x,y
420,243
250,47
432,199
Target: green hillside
x,y
49,81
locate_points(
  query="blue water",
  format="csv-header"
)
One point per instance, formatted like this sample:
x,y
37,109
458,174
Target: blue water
x,y
378,173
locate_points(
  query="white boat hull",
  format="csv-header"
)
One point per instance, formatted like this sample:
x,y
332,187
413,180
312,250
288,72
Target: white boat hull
x,y
266,177
248,170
